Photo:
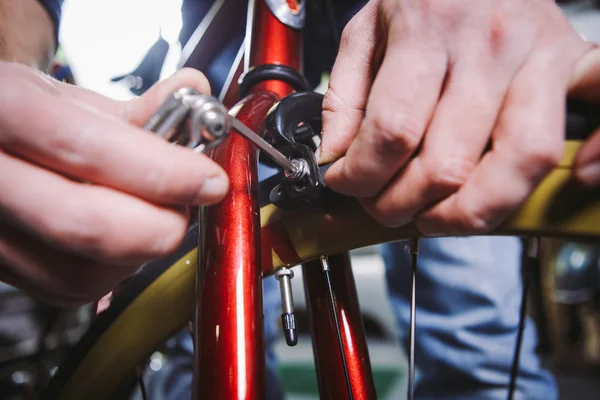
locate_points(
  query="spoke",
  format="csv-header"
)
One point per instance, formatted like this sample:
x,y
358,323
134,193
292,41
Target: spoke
x,y
326,270
414,251
140,380
531,257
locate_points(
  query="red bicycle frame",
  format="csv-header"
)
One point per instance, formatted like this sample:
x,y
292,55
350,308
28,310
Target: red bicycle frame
x,y
228,334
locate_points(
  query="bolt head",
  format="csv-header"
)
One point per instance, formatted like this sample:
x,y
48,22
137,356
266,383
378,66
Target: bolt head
x,y
281,272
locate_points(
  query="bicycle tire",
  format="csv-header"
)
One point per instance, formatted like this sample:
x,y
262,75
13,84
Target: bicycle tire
x,y
128,294
105,355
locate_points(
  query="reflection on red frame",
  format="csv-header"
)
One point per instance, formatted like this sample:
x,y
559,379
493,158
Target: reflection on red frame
x,y
229,341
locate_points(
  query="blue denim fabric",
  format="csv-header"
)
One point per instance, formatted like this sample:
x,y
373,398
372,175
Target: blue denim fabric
x,y
468,300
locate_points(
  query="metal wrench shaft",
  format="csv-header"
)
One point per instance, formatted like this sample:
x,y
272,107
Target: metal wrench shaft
x,y
210,124
263,145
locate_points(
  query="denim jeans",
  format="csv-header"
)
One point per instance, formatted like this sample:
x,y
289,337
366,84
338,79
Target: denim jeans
x,y
468,296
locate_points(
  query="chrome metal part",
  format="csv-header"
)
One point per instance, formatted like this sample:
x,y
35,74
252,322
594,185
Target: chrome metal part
x,y
263,146
209,121
414,252
290,12
288,320
191,119
533,247
299,171
324,264
139,374
170,114
201,122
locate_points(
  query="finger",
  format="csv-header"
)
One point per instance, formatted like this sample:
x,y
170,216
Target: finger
x,y
587,162
402,100
455,140
75,93
136,111
87,219
585,83
527,144
139,110
349,84
92,146
54,276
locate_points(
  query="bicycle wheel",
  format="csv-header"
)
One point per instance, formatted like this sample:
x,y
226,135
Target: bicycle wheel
x,y
125,334
159,299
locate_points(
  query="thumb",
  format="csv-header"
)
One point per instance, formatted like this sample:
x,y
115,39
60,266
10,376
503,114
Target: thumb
x,y
351,79
139,109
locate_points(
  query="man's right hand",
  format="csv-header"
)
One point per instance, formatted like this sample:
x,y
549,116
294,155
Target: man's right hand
x,y
85,194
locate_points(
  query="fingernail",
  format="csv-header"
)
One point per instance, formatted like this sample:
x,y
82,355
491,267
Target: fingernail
x,y
213,187
589,174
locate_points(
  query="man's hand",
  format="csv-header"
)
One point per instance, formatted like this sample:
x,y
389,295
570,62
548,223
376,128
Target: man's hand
x,y
86,196
420,89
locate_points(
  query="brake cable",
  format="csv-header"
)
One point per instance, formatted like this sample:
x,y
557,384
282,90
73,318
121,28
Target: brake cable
x,y
326,271
531,257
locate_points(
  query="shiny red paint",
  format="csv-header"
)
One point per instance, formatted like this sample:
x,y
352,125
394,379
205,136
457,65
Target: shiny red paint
x,y
275,239
229,338
229,341
330,372
273,43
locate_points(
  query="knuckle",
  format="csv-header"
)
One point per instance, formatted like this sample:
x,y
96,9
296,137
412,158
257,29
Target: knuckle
x,y
394,133
332,102
157,181
385,214
348,35
547,158
67,147
172,240
382,217
472,220
161,184
81,228
448,174
452,12
539,157
497,32
353,29
172,231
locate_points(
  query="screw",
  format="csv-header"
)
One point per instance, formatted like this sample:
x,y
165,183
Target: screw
x,y
288,320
